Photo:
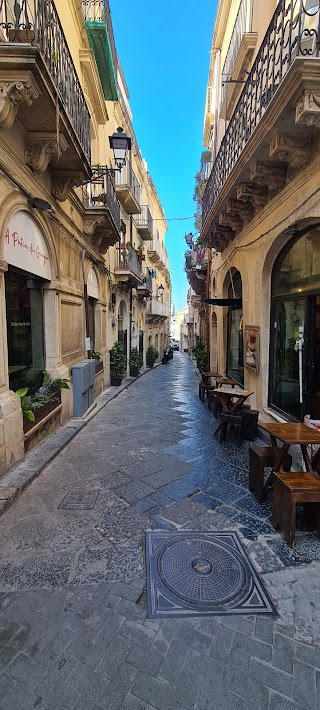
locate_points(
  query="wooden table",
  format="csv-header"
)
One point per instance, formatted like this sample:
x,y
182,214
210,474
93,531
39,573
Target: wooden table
x,y
289,434
231,399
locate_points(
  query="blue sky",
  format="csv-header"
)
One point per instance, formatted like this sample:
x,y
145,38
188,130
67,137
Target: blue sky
x,y
164,49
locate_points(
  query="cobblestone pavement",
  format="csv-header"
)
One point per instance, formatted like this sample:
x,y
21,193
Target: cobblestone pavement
x,y
73,627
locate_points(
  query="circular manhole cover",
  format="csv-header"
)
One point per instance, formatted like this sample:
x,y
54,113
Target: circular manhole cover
x,y
203,572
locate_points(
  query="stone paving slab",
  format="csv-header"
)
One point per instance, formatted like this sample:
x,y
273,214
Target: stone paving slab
x,y
73,626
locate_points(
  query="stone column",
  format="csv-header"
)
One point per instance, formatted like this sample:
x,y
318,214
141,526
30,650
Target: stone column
x,y
52,329
11,426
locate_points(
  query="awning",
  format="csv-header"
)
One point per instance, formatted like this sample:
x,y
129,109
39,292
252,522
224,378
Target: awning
x,y
235,303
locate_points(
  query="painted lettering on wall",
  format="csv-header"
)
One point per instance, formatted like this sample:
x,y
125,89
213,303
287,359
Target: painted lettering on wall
x,y
25,245
18,242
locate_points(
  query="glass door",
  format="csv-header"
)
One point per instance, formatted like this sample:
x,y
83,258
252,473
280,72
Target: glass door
x,y
314,360
288,356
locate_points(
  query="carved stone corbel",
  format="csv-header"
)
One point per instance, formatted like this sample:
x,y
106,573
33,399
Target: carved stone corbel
x,y
256,194
308,109
104,246
90,225
12,94
244,209
40,147
62,183
232,220
272,174
295,149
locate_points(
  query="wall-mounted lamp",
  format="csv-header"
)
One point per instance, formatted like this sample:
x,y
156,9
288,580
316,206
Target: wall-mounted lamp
x,y
160,290
38,204
189,238
120,144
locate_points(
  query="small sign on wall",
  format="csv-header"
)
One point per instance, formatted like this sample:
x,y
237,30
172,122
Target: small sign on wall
x,y
252,347
88,344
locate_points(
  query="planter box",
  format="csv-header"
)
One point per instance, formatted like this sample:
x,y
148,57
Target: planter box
x,y
99,367
42,412
134,372
115,381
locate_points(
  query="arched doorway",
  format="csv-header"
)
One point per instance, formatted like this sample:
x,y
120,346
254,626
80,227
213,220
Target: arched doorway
x,y
29,269
235,330
294,383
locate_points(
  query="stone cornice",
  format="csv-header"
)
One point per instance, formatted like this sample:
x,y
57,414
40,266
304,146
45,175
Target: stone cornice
x,y
90,71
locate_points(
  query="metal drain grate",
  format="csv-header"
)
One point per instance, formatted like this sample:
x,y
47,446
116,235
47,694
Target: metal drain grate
x,y
192,574
75,500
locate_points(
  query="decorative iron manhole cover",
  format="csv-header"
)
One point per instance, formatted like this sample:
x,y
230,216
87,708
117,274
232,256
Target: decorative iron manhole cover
x,y
76,500
192,574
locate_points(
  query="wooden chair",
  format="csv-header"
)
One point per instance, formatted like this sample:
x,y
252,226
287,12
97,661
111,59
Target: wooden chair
x,y
205,385
290,489
235,422
261,457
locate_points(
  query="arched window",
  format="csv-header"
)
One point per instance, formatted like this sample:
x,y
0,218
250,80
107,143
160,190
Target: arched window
x,y
295,328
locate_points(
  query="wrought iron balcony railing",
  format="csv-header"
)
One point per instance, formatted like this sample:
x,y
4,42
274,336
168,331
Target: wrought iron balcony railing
x,y
127,178
294,31
144,219
36,22
147,278
99,11
240,27
100,192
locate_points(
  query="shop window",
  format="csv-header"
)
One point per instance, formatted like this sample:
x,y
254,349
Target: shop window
x,y
235,332
295,353
24,310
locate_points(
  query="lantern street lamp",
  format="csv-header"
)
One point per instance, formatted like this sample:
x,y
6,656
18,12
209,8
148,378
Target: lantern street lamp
x,y
120,144
189,238
160,290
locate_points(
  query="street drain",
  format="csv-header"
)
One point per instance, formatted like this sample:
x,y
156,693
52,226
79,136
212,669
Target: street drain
x,y
75,500
192,574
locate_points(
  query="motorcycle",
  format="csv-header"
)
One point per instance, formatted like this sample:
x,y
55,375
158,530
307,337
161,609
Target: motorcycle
x,y
165,357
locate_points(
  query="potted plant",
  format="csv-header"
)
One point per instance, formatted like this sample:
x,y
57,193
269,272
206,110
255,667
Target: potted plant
x,y
118,364
151,356
135,362
45,400
96,356
140,253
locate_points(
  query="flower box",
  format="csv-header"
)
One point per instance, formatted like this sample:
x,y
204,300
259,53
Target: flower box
x,y
99,367
42,412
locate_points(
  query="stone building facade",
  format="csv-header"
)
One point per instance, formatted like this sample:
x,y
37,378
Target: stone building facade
x,y
82,250
260,208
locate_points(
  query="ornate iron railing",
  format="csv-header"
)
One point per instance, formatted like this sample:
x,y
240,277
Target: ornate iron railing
x,y
144,219
100,192
129,260
126,178
99,11
36,22
241,26
147,277
294,31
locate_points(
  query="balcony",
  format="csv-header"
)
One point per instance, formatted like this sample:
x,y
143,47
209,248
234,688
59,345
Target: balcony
x,y
129,270
157,311
272,134
99,29
157,253
102,211
145,289
128,190
144,223
40,86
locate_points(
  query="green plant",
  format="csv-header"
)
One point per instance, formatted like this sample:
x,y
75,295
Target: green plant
x,y
200,353
151,356
25,404
136,359
118,360
95,355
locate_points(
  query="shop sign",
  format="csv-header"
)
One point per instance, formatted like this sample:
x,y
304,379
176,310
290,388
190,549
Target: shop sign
x,y
25,247
92,284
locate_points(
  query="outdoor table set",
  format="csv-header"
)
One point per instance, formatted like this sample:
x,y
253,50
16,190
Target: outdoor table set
x,y
289,488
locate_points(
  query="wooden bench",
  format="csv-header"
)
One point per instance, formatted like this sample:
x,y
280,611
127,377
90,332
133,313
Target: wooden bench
x,y
205,385
290,489
261,457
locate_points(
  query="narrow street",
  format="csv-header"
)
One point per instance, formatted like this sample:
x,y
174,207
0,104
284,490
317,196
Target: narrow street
x,y
73,627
